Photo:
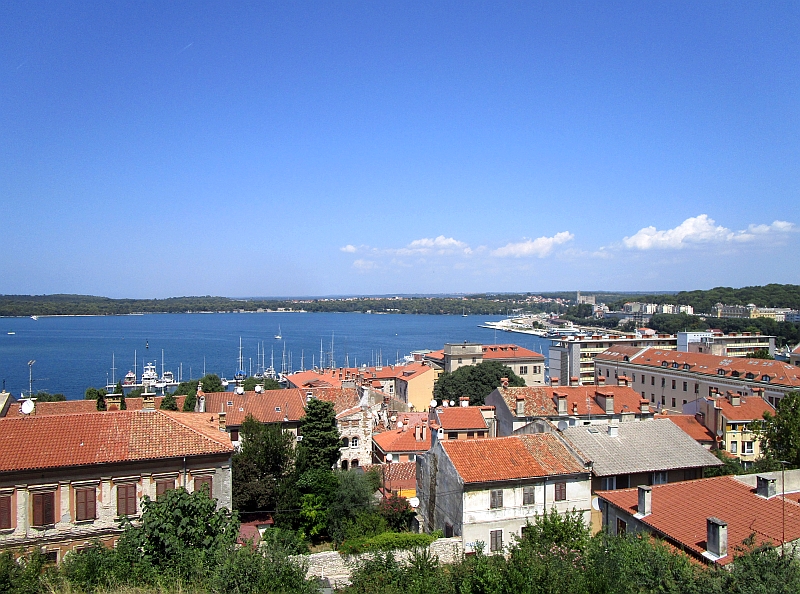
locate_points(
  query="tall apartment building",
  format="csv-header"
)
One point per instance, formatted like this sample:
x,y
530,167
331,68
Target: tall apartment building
x,y
573,356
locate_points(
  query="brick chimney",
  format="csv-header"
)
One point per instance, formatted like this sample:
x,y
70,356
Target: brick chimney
x,y
574,381
613,429
504,382
148,402
605,400
424,429
601,380
622,380
645,500
418,432
200,403
716,537
113,402
765,486
644,406
464,400
554,382
405,423
733,398
561,401
222,423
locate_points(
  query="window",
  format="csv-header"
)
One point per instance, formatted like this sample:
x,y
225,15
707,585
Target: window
x,y
234,435
481,433
663,382
459,360
652,397
608,483
5,512
663,400
345,442
203,482
44,508
734,447
495,498
448,530
412,457
673,384
165,485
354,442
523,370
747,447
126,500
660,477
561,491
673,403
85,504
697,388
621,527
452,435
685,386
354,464
344,464
495,541
528,496
474,360
652,380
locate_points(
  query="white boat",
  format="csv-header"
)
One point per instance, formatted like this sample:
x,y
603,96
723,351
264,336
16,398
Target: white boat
x,y
168,377
149,375
278,336
130,379
34,317
11,333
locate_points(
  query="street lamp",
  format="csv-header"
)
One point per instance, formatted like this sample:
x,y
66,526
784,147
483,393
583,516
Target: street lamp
x,y
30,377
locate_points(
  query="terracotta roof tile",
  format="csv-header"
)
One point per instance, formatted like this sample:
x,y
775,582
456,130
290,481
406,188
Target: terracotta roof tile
x,y
402,440
679,512
400,475
506,458
460,418
541,401
509,351
693,428
70,407
104,437
271,406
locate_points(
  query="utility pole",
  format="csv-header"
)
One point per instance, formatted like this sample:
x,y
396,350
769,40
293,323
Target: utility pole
x,y
30,377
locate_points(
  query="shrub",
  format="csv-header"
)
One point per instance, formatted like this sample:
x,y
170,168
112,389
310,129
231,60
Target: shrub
x,y
388,541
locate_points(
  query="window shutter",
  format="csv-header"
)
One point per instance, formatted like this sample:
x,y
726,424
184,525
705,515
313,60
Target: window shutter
x,y
131,500
203,480
80,504
5,512
121,510
38,516
49,508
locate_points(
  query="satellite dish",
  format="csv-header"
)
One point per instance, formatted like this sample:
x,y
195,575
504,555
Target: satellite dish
x,y
26,407
445,403
399,426
259,388
393,418
452,403
562,425
239,390
389,457
413,501
596,503
433,403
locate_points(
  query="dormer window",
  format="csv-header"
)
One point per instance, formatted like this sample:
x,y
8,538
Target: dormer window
x,y
626,358
720,372
664,364
765,378
686,367
675,365
734,374
750,375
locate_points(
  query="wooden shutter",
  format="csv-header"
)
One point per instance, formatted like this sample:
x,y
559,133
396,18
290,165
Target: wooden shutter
x,y
164,486
38,514
5,512
80,504
49,507
561,491
203,480
126,500
85,504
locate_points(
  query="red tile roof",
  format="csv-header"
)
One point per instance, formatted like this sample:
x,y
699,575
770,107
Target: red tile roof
x,y
398,441
507,458
400,475
461,418
271,406
333,378
693,428
779,372
680,511
509,351
750,408
542,401
70,407
53,441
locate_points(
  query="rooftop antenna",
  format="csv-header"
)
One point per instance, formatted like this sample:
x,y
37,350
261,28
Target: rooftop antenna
x,y
302,360
30,377
113,370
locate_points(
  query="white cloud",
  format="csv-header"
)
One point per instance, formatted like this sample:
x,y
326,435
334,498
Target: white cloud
x,y
364,265
349,249
696,230
441,245
539,247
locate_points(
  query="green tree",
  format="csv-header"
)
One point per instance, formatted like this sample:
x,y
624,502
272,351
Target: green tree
x,y
397,512
168,402
780,433
475,381
97,395
262,466
319,447
269,384
761,354
47,397
118,390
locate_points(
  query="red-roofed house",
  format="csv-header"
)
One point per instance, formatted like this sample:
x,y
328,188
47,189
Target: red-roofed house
x,y
707,518
527,364
402,444
516,408
463,422
66,479
486,490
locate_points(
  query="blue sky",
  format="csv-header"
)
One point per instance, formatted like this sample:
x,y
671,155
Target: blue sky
x,y
271,149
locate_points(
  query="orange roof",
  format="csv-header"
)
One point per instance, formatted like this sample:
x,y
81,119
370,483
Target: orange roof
x,y
460,418
400,475
507,458
399,441
342,398
333,378
53,441
680,511
736,368
542,401
509,351
70,407
750,408
693,428
270,406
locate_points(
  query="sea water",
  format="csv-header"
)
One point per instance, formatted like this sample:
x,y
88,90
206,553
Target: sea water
x,y
72,353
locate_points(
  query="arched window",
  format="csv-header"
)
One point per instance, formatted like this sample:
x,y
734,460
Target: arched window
x,y
345,442
344,464
354,442
354,464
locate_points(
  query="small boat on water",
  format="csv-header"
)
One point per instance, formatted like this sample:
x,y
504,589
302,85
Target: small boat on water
x,y
278,336
34,317
130,379
11,333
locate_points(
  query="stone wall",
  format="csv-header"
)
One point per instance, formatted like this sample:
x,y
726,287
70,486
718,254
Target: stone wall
x,y
337,568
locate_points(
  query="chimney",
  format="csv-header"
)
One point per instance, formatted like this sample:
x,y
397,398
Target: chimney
x,y
622,380
554,382
464,401
573,381
520,406
418,432
574,408
148,402
222,424
605,401
562,404
613,429
644,405
504,382
113,402
200,403
733,398
424,429
601,380
716,537
645,500
765,486
405,423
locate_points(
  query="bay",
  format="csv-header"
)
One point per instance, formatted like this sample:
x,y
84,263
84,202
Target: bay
x,y
73,353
